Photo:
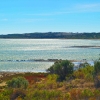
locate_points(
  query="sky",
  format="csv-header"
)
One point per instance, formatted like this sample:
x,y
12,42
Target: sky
x,y
28,16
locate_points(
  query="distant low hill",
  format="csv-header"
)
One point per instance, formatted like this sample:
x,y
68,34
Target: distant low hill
x,y
51,35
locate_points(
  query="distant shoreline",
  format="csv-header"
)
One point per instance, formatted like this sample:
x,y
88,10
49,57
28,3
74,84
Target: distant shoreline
x,y
52,35
36,60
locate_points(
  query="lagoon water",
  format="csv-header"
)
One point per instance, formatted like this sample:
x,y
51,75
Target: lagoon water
x,y
18,55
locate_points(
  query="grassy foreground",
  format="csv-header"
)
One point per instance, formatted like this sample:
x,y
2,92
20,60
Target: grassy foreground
x,y
44,86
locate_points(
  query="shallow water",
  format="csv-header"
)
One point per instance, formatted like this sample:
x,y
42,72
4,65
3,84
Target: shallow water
x,y
13,50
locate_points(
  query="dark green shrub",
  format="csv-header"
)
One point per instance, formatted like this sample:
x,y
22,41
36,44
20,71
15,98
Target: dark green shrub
x,y
63,68
97,67
19,82
97,74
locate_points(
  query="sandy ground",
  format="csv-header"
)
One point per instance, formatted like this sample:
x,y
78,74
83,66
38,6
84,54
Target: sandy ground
x,y
2,84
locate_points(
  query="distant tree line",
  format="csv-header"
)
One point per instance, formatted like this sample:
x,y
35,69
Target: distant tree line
x,y
62,35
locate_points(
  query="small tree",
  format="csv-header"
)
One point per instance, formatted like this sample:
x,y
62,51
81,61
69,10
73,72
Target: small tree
x,y
63,68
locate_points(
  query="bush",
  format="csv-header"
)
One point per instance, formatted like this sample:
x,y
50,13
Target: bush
x,y
44,95
87,93
18,93
85,73
63,68
97,67
79,74
19,82
5,94
97,74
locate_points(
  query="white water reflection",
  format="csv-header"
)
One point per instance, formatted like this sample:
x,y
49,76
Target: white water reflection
x,y
25,49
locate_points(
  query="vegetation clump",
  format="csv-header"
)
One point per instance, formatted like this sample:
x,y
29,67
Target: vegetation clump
x,y
97,67
63,68
97,74
84,86
19,82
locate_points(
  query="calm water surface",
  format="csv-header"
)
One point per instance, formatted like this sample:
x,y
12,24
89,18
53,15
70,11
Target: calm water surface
x,y
17,54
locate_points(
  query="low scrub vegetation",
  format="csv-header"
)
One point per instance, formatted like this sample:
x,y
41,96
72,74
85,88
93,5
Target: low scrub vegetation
x,y
62,68
82,84
19,82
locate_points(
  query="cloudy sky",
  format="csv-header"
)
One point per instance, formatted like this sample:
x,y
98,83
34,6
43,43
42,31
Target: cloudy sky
x,y
26,16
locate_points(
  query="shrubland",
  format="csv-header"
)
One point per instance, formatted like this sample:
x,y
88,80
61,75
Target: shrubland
x,y
60,83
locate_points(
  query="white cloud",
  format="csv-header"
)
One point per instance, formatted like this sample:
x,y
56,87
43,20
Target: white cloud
x,y
29,20
79,8
76,8
4,19
88,6
50,13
